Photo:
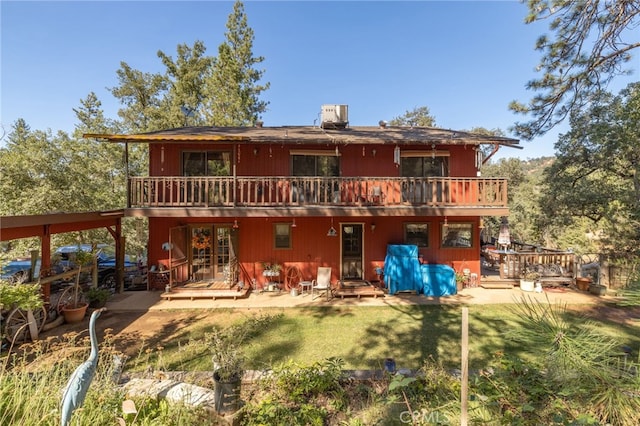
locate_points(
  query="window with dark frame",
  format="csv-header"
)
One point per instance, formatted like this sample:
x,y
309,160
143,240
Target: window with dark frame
x,y
206,163
456,235
315,165
416,234
282,235
427,166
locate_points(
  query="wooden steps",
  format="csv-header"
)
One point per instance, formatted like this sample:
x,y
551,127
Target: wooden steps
x,y
498,283
358,292
493,286
204,293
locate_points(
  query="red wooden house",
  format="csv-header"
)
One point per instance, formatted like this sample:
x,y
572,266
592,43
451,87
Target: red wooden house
x,y
224,202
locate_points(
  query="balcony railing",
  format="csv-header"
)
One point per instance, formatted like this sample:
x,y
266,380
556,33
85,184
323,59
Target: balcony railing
x,y
291,191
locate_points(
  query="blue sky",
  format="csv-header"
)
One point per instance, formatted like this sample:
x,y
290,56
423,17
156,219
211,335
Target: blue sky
x,y
465,60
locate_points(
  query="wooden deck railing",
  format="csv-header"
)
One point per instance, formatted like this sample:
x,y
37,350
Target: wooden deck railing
x,y
548,264
273,191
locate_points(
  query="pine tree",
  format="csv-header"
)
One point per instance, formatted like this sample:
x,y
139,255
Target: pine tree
x,y
233,92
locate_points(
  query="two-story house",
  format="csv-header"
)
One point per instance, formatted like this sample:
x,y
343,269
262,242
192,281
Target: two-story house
x,y
222,203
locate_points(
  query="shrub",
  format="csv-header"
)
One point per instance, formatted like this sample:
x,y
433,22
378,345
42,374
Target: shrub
x,y
294,394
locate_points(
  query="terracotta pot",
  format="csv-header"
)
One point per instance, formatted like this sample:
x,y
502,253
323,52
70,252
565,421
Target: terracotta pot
x,y
74,315
583,283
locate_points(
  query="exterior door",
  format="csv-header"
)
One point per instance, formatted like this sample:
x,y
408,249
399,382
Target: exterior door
x,y
224,252
201,253
351,236
213,252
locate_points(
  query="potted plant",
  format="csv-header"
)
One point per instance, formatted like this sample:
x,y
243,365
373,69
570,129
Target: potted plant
x,y
583,283
460,278
228,360
97,297
597,289
27,297
271,270
528,280
76,307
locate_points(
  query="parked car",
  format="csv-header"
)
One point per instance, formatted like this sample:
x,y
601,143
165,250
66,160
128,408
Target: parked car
x,y
134,273
18,270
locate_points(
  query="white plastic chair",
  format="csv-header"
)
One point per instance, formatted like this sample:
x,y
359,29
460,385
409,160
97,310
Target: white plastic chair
x,y
322,281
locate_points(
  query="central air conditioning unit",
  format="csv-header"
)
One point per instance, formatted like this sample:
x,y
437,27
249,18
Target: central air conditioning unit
x,y
335,116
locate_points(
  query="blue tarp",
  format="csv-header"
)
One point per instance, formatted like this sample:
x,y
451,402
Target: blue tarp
x,y
403,272
438,280
402,269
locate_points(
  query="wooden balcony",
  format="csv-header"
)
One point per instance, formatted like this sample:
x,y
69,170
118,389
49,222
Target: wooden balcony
x,y
293,191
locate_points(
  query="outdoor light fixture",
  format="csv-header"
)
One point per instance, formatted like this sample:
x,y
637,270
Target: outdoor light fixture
x,y
293,225
373,227
446,223
235,224
255,152
373,152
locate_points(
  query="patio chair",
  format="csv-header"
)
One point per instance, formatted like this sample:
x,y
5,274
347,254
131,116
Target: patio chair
x,y
377,196
322,281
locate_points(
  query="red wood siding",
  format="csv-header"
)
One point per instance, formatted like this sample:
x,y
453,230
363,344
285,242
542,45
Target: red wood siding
x,y
274,159
311,247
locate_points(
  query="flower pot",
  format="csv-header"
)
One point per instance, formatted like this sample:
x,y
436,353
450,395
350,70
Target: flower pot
x,y
597,289
226,394
390,365
583,283
74,315
526,285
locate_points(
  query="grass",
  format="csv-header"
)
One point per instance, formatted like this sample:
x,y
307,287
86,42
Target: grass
x,y
362,336
293,338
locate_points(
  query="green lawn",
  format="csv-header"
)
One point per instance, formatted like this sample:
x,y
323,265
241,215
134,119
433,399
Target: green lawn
x,y
364,336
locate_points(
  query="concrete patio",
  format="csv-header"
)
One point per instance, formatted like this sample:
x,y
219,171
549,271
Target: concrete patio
x,y
151,300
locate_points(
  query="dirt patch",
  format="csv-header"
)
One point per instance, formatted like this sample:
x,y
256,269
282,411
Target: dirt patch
x,y
628,316
133,331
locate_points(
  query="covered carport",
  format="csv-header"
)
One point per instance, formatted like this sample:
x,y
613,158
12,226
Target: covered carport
x,y
45,225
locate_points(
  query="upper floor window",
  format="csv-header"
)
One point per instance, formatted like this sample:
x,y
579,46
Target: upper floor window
x,y
208,163
424,164
315,163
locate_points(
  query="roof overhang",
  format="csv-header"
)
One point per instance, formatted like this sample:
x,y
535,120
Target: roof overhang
x,y
311,135
15,227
